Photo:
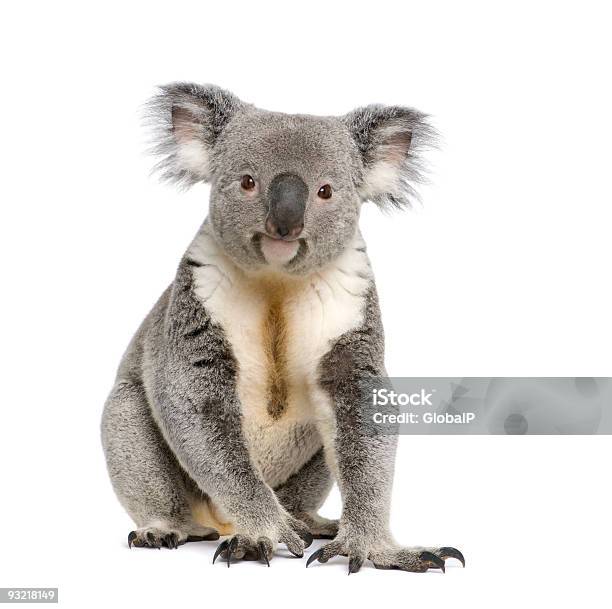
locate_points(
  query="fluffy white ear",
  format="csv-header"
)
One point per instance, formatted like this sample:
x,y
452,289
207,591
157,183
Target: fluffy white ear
x,y
186,120
390,140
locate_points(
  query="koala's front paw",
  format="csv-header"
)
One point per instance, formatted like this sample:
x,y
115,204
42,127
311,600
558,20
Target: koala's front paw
x,y
386,555
243,546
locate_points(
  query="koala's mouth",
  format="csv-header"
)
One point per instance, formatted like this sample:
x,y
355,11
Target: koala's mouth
x,y
279,252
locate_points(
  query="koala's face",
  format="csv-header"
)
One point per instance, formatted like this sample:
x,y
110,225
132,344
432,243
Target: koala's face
x,y
286,189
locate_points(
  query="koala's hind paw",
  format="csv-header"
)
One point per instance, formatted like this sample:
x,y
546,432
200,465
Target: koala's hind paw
x,y
157,537
319,527
416,560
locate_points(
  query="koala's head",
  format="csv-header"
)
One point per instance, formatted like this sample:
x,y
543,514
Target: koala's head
x,y
286,190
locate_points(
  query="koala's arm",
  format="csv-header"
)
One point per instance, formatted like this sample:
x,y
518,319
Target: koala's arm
x,y
196,406
364,462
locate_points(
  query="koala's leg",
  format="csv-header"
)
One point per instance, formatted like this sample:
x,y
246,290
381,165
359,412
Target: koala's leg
x,y
303,494
145,476
364,461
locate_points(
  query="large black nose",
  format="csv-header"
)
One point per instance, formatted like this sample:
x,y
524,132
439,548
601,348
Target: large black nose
x,y
287,196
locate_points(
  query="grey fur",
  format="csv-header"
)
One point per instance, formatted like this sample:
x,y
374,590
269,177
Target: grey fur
x,y
175,432
207,109
368,125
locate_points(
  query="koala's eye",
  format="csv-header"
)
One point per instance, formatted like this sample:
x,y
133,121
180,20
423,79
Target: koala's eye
x,y
325,192
247,182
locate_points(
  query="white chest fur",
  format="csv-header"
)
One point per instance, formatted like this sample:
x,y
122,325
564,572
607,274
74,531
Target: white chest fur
x,y
279,329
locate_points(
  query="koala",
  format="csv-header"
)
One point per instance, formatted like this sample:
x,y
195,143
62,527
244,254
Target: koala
x,y
236,405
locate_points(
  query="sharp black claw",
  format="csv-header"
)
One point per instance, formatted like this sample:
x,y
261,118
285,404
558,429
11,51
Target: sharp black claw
x,y
436,560
355,564
263,553
153,541
131,538
231,548
222,546
307,539
314,556
452,553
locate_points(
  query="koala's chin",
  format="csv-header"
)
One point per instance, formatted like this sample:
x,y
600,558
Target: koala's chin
x,y
256,253
278,252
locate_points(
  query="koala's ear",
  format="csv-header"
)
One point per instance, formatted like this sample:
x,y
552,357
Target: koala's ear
x,y
186,120
390,140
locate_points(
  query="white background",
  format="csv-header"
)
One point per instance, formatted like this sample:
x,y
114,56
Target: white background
x,y
504,270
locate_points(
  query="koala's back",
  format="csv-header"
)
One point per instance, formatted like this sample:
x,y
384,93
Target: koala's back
x,y
144,342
